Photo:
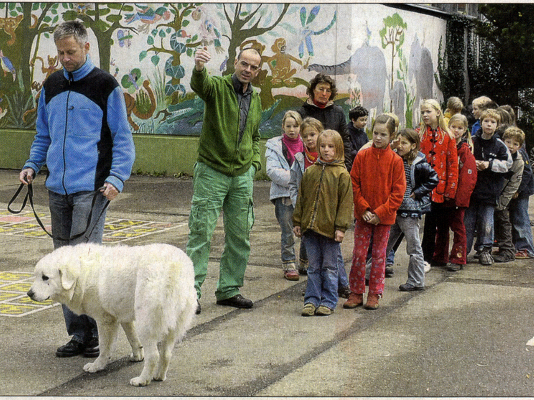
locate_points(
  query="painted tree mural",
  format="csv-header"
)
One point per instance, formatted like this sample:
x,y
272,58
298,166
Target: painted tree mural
x,y
103,19
22,24
170,37
247,21
392,34
149,48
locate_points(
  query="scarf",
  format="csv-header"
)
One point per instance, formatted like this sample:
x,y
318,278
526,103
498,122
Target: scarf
x,y
320,105
293,147
309,157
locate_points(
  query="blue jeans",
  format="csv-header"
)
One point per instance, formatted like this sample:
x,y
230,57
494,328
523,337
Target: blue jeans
x,y
521,229
343,280
69,216
283,210
479,217
322,270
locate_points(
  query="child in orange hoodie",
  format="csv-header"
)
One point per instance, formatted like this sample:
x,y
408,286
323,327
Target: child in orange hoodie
x,y
378,183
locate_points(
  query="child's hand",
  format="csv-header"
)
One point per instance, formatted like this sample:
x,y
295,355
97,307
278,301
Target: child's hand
x,y
297,231
367,216
339,236
375,220
482,165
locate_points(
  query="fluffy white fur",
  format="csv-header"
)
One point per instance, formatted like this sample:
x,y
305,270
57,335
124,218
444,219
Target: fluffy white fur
x,y
152,285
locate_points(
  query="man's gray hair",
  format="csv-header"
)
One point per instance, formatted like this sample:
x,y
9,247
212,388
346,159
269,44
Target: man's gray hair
x,y
72,28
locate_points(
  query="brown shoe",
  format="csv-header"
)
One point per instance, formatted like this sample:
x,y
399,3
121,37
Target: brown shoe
x,y
291,275
372,301
355,300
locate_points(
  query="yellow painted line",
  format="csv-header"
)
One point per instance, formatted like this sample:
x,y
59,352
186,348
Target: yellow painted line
x,y
21,287
14,276
8,296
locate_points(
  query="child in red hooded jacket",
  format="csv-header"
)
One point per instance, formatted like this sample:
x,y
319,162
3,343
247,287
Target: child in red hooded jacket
x,y
467,179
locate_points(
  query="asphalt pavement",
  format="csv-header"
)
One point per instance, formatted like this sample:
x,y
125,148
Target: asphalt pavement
x,y
465,335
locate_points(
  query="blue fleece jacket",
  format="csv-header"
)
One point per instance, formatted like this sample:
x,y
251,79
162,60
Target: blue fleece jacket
x,y
83,135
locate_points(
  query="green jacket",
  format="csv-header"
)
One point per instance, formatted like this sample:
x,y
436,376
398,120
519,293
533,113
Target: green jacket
x,y
324,202
219,145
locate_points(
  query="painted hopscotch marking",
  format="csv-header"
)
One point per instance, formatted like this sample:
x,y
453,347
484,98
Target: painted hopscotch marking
x,y
13,299
115,229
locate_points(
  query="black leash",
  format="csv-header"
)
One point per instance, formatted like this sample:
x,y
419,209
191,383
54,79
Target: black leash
x,y
29,196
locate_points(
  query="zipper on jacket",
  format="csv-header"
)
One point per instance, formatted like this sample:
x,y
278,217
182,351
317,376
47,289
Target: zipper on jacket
x,y
67,108
314,214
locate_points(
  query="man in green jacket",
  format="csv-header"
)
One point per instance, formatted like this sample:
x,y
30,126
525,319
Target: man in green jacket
x,y
229,157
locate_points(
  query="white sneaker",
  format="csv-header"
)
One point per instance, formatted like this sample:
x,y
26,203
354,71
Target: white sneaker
x,y
427,267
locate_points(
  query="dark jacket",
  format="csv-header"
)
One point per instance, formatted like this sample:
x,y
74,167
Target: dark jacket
x,y
527,183
358,138
424,180
332,117
491,180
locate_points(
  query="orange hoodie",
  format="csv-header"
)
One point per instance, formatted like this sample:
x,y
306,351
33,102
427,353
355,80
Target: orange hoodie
x,y
378,183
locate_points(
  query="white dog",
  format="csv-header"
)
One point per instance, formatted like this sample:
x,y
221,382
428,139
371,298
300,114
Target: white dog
x,y
152,285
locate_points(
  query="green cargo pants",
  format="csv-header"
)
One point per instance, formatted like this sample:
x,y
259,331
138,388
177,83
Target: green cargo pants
x,y
213,192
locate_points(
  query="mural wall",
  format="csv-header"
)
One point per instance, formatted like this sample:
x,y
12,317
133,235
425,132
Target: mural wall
x,y
381,57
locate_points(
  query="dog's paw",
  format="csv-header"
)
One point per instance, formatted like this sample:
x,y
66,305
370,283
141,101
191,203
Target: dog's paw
x,y
160,377
93,367
139,381
137,356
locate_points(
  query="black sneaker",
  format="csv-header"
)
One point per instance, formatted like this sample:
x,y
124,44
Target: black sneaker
x,y
503,258
237,301
389,271
344,292
91,348
71,349
454,267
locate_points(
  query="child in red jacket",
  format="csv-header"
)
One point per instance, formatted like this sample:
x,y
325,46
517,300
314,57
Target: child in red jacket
x,y
439,147
454,216
378,183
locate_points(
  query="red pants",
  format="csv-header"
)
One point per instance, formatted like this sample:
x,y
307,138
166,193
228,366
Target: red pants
x,y
363,232
453,219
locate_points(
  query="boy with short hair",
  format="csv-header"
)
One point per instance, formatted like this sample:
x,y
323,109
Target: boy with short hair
x,y
493,160
480,104
513,138
358,116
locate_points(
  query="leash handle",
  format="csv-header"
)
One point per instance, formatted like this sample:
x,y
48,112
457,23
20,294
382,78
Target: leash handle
x,y
29,196
15,197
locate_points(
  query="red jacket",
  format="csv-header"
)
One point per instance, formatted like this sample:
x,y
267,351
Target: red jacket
x,y
378,183
467,177
440,150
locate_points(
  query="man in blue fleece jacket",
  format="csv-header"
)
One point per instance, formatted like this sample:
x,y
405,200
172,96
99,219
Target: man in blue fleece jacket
x,y
84,138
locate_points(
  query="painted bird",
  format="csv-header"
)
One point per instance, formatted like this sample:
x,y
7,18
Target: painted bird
x,y
7,66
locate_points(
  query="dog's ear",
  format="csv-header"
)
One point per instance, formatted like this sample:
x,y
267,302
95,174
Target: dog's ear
x,y
68,279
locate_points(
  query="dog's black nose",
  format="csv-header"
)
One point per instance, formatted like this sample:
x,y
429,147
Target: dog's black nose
x,y
30,294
